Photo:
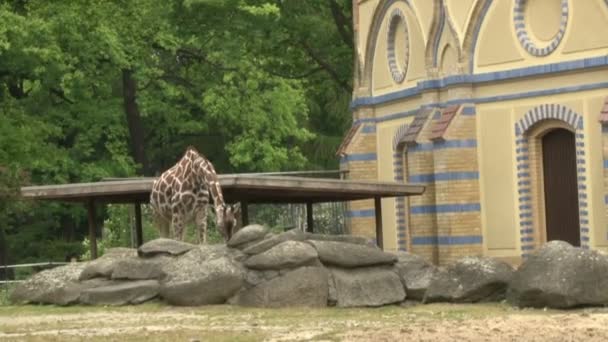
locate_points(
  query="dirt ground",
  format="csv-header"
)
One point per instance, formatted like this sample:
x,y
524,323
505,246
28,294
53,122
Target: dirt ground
x,y
436,322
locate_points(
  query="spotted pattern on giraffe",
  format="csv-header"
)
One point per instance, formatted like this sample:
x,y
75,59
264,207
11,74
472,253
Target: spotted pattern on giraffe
x,y
182,194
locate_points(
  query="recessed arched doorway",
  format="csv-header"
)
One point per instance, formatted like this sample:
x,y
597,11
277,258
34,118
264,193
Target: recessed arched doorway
x,y
560,186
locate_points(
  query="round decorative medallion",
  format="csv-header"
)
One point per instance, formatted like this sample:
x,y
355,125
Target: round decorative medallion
x,y
540,25
397,45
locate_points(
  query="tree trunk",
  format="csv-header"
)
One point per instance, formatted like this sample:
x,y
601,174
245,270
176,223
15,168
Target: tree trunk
x,y
136,128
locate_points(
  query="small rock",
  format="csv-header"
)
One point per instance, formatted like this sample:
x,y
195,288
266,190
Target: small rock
x,y
248,234
140,269
164,246
351,255
122,293
369,286
273,240
104,265
469,280
288,254
305,286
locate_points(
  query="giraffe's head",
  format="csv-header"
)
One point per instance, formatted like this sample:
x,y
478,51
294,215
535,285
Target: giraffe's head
x,y
226,219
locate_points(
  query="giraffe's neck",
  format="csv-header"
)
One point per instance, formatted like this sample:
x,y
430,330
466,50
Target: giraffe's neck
x,y
206,174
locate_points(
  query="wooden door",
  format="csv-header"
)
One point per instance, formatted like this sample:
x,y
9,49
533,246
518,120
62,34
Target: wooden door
x,y
561,191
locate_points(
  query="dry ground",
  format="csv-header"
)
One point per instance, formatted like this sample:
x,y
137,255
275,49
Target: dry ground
x,y
436,322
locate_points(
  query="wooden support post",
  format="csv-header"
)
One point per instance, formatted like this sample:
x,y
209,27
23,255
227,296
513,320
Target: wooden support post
x,y
92,228
309,218
139,231
378,208
245,213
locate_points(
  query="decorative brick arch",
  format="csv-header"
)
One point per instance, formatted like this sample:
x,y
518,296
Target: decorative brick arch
x,y
381,12
528,171
399,172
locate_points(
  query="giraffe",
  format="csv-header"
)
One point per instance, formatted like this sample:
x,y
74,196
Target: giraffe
x,y
181,195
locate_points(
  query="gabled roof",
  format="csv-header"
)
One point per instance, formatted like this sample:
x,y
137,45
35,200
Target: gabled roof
x,y
604,112
441,125
347,139
416,126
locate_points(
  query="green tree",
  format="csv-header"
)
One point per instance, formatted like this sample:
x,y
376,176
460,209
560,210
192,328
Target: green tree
x,y
95,89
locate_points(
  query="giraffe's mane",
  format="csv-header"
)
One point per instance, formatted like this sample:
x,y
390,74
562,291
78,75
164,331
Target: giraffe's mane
x,y
191,148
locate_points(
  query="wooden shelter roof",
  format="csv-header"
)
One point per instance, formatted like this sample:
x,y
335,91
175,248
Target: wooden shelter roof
x,y
236,188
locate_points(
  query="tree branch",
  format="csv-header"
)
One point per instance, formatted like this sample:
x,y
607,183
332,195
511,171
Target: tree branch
x,y
60,94
201,57
294,77
342,23
332,73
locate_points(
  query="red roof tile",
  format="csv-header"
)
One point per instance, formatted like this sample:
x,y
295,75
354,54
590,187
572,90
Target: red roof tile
x,y
604,112
347,139
416,126
441,125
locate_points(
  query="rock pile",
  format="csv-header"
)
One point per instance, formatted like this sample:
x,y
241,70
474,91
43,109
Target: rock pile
x,y
260,269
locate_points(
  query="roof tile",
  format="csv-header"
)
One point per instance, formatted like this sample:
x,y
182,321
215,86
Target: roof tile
x,y
604,112
441,125
416,126
347,139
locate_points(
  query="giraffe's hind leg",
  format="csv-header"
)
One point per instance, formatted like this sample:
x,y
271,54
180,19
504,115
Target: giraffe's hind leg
x,y
177,225
201,224
163,225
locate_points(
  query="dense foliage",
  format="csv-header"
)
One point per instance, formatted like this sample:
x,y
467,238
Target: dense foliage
x,y
95,89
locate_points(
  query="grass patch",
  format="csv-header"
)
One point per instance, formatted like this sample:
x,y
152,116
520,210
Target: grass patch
x,y
5,293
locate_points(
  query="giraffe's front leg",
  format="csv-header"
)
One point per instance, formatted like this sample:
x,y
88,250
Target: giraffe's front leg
x,y
177,224
201,224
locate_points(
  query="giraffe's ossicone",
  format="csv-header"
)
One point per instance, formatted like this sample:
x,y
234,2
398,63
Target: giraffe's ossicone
x,y
181,196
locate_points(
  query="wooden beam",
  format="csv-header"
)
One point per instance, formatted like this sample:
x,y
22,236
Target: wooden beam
x,y
309,218
92,228
245,213
378,209
236,188
139,231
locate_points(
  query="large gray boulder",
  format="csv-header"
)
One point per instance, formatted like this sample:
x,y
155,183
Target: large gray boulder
x,y
470,279
121,293
205,275
369,286
273,240
351,255
305,286
164,246
247,234
288,254
359,240
104,265
58,286
415,273
140,269
560,276
254,277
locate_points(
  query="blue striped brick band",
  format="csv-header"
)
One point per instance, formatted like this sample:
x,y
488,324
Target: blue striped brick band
x,y
361,213
360,157
367,129
447,240
540,70
443,176
468,110
469,143
445,208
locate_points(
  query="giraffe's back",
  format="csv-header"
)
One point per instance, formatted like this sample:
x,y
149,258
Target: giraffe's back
x,y
162,192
